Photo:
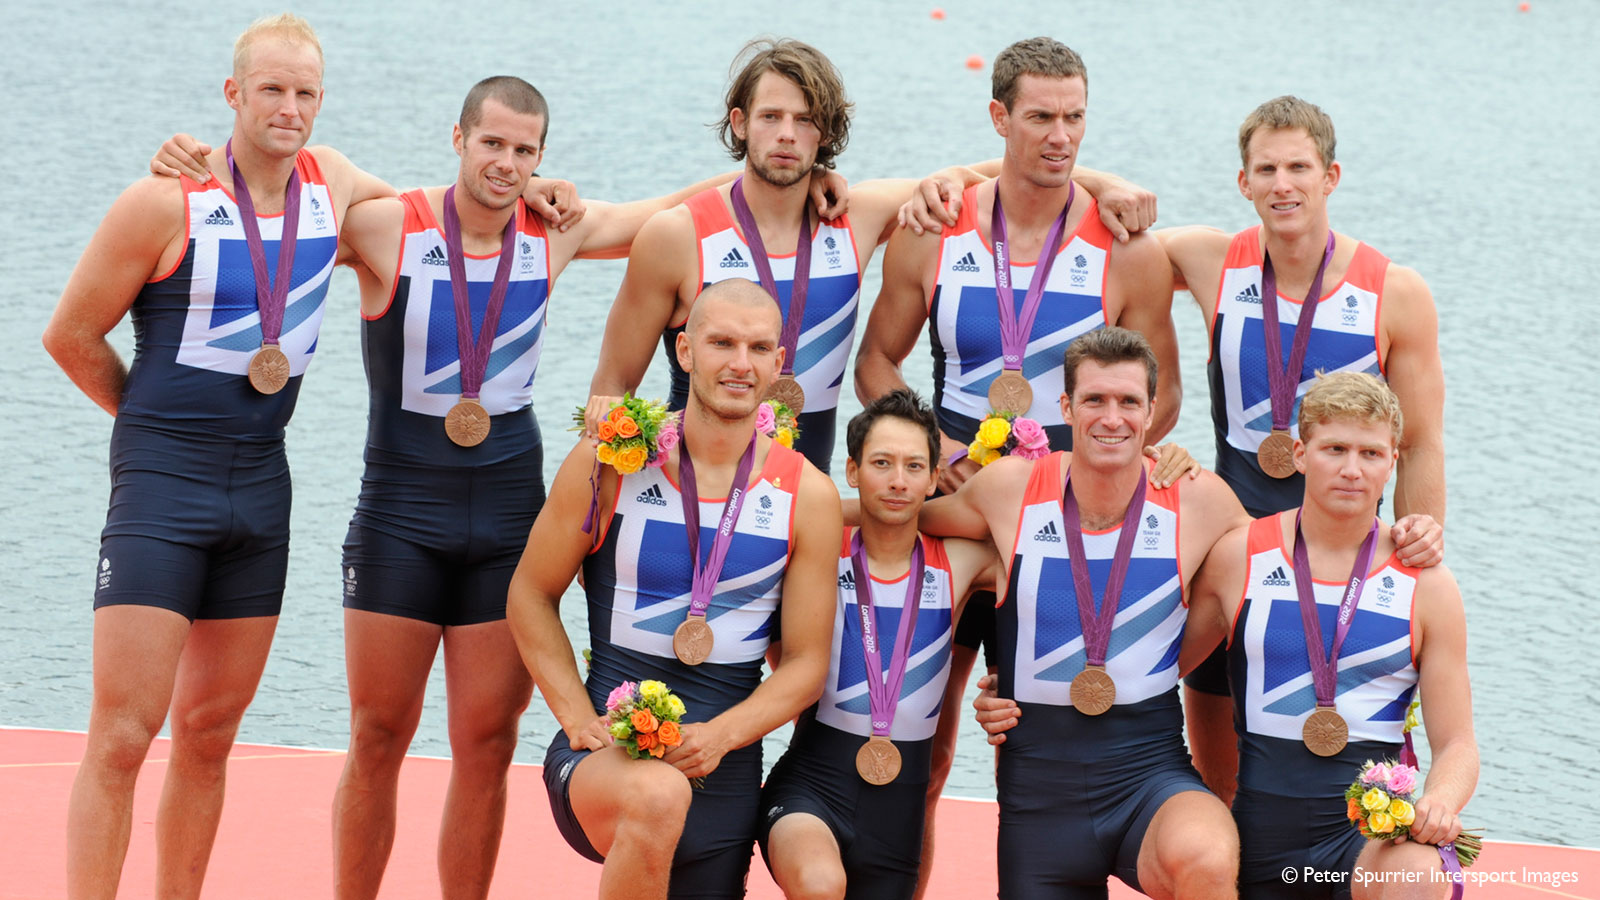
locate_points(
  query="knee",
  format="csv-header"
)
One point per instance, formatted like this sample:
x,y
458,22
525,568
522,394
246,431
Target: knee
x,y
204,734
657,799
1202,859
119,743
378,738
485,744
816,883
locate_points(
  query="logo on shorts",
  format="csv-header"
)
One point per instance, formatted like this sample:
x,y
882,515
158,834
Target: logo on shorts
x,y
219,216
734,260
350,580
1048,534
966,263
105,574
566,770
652,496
1277,578
1250,294
774,813
435,257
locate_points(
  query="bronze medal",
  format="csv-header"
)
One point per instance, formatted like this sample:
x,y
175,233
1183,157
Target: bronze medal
x,y
1011,393
269,369
467,423
878,760
1325,731
1093,691
692,641
1276,454
788,392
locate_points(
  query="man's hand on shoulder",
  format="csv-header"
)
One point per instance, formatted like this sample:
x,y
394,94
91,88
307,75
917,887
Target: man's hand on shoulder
x,y
1418,540
556,201
830,193
179,155
1126,208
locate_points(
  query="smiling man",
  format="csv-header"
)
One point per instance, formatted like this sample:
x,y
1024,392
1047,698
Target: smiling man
x,y
225,282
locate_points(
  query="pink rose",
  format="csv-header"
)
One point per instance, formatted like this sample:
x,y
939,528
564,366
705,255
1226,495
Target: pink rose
x,y
1377,773
666,438
1402,779
766,419
1030,436
620,694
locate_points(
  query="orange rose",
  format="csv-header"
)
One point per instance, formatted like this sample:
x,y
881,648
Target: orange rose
x,y
627,427
658,751
644,721
607,432
616,414
1353,813
646,740
669,734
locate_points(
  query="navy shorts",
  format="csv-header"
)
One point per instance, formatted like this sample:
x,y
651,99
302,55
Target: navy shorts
x,y
1065,827
713,856
878,827
1276,833
198,525
440,544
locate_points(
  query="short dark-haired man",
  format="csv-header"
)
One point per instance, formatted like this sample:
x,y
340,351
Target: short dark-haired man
x,y
776,534
843,809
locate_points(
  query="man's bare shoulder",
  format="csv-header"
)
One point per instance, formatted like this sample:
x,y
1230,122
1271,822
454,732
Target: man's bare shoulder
x,y
1203,241
1405,284
148,213
1208,497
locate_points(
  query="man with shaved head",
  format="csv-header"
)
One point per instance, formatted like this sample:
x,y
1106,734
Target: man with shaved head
x,y
691,569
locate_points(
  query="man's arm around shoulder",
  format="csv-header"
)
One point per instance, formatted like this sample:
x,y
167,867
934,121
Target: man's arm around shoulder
x,y
658,266
139,239
348,183
897,316
1441,659
1415,373
1140,278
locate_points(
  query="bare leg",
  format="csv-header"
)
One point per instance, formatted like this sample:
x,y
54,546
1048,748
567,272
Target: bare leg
x,y
805,858
136,651
1190,851
1416,867
488,689
944,751
387,659
217,677
632,811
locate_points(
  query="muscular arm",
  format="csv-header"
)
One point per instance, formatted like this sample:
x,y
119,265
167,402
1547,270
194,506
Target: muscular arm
x,y
369,242
1446,707
975,566
650,292
807,620
1196,254
348,183
140,236
1415,373
897,316
971,511
1142,280
555,551
1212,593
608,229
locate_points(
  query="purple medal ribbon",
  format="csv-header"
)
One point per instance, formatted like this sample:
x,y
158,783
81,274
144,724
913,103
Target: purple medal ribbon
x,y
1281,383
1097,623
706,575
272,294
1325,667
802,268
883,695
1015,327
475,353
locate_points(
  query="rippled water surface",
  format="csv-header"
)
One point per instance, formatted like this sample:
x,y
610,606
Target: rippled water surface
x,y
1467,136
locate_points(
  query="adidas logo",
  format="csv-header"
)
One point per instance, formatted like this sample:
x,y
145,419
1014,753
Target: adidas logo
x,y
1048,534
1276,579
1251,294
847,581
1080,261
734,260
435,257
652,496
219,216
830,243
965,264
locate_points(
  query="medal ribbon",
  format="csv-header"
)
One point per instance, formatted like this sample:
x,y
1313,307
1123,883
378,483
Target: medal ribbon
x,y
475,353
1325,668
1281,383
272,294
802,269
1016,327
883,695
706,575
1097,623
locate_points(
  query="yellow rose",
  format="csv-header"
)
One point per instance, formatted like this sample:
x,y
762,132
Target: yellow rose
x,y
785,436
976,451
631,459
652,690
1380,823
1374,800
1403,812
989,456
605,454
993,432
675,706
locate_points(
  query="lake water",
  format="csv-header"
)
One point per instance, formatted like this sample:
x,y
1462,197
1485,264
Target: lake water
x,y
1467,155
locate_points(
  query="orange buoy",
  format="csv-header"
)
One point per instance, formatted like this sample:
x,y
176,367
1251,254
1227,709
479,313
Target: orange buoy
x,y
937,14
1524,6
974,62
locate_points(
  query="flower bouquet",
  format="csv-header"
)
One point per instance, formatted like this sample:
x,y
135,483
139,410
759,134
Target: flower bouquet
x,y
644,718
1002,434
1380,804
776,420
634,434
